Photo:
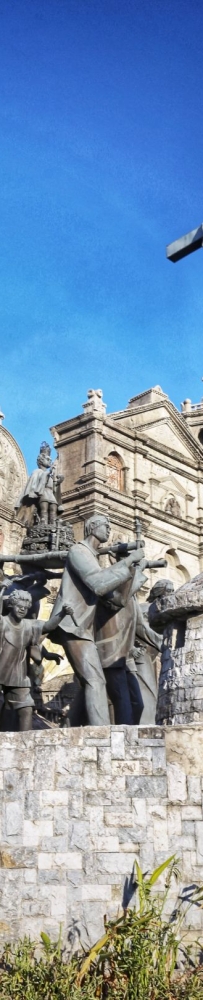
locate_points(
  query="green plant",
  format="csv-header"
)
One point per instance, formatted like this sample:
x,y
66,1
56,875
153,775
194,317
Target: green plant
x,y
138,954
136,959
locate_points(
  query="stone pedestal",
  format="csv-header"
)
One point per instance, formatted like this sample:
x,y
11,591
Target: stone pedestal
x,y
78,806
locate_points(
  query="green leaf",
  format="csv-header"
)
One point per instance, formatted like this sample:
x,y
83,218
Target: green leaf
x,y
139,874
158,871
46,941
91,957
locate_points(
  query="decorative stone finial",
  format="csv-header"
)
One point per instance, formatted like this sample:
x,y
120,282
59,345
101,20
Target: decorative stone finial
x,y
95,402
2,416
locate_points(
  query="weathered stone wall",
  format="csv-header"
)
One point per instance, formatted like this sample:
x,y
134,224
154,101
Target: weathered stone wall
x,y
180,696
77,807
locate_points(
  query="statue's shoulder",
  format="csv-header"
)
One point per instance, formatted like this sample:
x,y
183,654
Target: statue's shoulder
x,y
80,553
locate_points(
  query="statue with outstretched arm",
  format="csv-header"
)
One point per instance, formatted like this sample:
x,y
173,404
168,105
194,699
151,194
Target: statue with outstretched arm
x,y
17,635
83,583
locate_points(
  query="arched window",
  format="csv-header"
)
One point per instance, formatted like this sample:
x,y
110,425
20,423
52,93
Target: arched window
x,y
200,437
173,507
175,571
115,471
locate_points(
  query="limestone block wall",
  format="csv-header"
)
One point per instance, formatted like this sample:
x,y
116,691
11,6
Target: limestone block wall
x,y
77,807
180,696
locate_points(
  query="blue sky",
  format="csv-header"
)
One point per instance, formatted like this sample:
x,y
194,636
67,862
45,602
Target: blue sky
x,y
101,155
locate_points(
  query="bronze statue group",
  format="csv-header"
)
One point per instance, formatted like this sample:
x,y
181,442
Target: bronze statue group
x,y
96,618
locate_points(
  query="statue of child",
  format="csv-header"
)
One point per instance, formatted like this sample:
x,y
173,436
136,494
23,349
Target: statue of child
x,y
17,634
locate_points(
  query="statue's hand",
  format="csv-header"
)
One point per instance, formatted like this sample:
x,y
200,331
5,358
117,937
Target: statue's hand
x,y
135,652
67,610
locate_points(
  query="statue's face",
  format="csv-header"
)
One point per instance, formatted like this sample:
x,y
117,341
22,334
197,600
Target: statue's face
x,y
43,462
20,609
102,529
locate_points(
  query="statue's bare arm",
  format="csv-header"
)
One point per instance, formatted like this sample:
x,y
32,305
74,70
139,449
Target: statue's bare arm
x,y
55,620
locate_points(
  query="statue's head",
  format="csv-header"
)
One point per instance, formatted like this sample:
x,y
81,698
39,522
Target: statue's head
x,y
160,589
99,526
19,603
44,457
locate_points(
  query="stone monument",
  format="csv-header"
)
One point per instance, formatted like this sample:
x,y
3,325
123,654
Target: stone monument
x,y
180,614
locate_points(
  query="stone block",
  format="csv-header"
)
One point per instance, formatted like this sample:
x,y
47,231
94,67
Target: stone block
x,y
93,892
57,844
194,789
54,797
79,835
14,784
118,817
146,787
188,827
68,860
30,833
127,767
177,788
30,876
60,824
102,842
45,828
156,811
115,788
76,804
53,876
147,857
174,822
117,743
118,863
45,860
184,747
44,767
17,857
139,812
191,812
199,837
89,753
90,776
188,867
160,835
76,737
32,808
104,760
159,760
13,818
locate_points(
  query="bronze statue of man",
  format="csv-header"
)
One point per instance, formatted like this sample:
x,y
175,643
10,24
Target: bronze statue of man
x,y
40,490
83,582
145,661
17,635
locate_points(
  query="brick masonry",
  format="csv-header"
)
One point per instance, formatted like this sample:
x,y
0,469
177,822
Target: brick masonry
x,y
77,808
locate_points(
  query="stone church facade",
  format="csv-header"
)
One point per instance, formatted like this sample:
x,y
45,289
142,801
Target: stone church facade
x,y
13,475
145,461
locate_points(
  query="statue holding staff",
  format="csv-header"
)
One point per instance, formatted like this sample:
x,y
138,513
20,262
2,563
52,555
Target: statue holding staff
x,y
83,583
40,492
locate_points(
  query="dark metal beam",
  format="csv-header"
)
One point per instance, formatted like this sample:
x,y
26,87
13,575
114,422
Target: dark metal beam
x,y
185,245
